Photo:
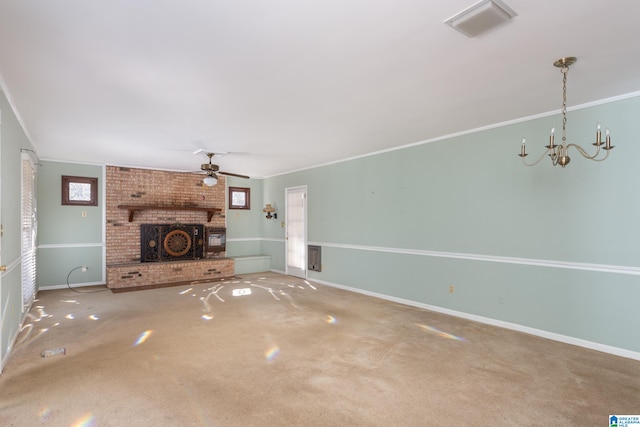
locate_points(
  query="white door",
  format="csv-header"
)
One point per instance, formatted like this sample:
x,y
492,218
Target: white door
x,y
296,231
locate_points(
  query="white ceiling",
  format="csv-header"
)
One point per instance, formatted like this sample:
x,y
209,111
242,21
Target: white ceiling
x,y
288,84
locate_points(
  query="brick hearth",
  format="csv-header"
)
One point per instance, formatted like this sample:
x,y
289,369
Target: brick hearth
x,y
142,275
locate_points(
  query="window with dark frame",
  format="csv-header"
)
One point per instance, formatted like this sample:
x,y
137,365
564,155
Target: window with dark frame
x,y
79,191
239,198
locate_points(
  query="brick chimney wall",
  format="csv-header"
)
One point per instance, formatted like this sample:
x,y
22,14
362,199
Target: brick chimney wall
x,y
131,186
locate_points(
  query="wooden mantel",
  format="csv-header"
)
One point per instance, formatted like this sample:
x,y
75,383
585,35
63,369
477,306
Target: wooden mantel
x,y
133,208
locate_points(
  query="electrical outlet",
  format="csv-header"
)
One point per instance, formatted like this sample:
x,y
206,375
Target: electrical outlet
x,y
451,289
84,214
84,268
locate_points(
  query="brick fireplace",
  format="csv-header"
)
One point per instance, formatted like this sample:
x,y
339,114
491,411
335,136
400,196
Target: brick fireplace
x,y
136,197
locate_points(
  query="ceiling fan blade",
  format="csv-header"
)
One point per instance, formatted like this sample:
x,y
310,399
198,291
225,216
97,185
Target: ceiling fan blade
x,y
205,151
234,174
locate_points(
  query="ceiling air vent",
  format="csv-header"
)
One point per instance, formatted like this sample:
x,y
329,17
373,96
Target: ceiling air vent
x,y
481,17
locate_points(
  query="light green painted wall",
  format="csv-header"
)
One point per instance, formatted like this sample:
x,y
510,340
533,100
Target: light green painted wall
x,y
277,252
66,239
65,224
244,227
12,139
471,196
55,264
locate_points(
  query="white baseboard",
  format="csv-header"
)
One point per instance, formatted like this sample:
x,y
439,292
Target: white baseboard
x,y
73,285
494,322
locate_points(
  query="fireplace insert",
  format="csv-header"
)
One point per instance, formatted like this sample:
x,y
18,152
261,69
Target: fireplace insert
x,y
171,242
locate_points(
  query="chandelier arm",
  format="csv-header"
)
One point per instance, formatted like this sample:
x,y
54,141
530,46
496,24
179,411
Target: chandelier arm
x,y
584,153
537,161
605,156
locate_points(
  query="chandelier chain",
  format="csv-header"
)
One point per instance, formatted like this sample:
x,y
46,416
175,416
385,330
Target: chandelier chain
x,y
564,104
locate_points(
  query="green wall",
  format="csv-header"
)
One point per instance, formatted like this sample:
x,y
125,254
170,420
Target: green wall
x,y
12,140
547,249
244,227
66,238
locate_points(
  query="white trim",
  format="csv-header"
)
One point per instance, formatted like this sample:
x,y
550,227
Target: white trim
x,y
467,132
244,239
70,245
73,285
258,239
603,268
250,257
14,110
75,162
499,323
274,239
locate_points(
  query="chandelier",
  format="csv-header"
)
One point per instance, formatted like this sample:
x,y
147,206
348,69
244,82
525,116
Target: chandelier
x,y
559,154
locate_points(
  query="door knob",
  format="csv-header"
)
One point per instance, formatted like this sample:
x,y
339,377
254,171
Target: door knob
x,y
3,268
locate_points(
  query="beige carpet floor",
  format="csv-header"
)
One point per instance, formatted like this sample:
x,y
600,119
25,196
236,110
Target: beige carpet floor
x,y
272,350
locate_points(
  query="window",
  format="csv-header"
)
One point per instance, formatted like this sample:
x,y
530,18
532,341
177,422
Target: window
x,y
81,191
239,198
29,227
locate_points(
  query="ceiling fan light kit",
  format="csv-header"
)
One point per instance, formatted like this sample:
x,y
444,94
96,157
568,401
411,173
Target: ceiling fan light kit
x,y
212,179
559,154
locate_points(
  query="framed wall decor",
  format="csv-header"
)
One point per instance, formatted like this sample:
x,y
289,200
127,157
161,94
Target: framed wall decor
x,y
79,191
239,198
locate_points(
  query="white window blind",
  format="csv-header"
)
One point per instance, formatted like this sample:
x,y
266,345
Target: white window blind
x,y
29,229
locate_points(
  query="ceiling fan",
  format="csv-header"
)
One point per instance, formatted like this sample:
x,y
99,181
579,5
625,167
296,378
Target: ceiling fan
x,y
211,169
